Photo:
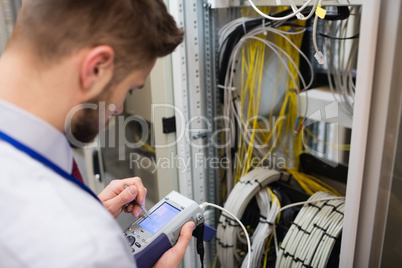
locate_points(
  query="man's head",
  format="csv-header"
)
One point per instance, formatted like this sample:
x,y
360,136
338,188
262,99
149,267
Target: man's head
x,y
117,43
138,31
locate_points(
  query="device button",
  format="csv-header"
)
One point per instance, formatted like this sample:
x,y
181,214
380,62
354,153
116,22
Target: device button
x,y
132,250
138,236
144,240
131,240
138,244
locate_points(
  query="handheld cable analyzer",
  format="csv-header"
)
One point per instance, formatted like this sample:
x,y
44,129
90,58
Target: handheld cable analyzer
x,y
150,238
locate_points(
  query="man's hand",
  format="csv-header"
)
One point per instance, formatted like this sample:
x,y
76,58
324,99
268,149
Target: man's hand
x,y
114,197
173,256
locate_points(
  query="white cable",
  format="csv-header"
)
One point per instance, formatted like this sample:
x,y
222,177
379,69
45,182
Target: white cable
x,y
227,230
318,54
311,237
264,228
340,65
284,17
206,204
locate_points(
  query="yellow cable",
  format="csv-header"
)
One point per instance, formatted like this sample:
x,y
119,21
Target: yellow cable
x,y
343,147
311,184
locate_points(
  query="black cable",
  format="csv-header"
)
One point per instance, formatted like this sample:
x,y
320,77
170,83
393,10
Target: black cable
x,y
343,14
334,37
310,29
200,242
356,36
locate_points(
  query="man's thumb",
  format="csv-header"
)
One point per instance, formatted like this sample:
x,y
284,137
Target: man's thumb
x,y
126,196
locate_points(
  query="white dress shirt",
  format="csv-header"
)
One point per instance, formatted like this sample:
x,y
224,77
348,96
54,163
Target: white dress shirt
x,y
46,220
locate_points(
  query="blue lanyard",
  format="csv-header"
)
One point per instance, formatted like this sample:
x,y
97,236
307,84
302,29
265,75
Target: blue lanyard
x,y
46,162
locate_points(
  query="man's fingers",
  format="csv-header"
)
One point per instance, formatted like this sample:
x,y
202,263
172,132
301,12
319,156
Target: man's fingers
x,y
184,239
136,210
173,256
142,191
126,196
129,208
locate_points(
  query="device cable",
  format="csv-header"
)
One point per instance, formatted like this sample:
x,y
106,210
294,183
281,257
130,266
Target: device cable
x,y
206,204
199,233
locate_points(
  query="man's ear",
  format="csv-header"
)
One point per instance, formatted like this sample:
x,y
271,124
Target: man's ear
x,y
96,71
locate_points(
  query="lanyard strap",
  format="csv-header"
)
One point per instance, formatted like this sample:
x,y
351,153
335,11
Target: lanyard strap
x,y
46,162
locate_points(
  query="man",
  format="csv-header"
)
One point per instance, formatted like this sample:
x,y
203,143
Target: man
x,y
63,54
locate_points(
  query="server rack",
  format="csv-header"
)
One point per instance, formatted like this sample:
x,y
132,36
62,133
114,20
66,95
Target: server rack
x,y
375,125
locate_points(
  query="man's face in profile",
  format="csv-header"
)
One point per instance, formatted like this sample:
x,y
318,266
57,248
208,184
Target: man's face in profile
x,y
87,122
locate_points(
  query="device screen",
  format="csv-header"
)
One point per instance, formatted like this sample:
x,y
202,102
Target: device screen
x,y
160,217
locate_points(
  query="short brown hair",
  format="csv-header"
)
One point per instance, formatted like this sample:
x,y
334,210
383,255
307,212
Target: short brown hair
x,y
139,31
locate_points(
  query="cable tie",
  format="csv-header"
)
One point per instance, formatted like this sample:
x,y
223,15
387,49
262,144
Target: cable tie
x,y
227,224
313,205
229,221
267,222
264,31
320,12
223,87
299,260
301,229
320,228
225,245
334,209
250,183
338,211
332,206
259,184
329,235
244,27
287,254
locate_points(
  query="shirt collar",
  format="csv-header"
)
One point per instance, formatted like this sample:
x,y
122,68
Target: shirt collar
x,y
37,134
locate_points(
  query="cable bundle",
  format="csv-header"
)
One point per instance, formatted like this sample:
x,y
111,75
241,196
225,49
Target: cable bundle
x,y
228,230
313,234
264,228
258,140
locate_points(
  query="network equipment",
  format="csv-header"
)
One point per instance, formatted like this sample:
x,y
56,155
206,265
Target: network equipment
x,y
150,237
